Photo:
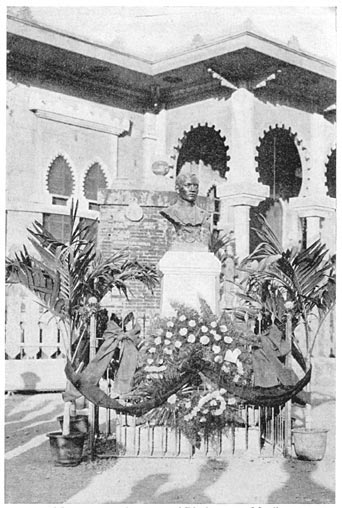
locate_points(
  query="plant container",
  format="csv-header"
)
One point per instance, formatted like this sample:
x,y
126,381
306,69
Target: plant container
x,y
78,423
66,450
310,444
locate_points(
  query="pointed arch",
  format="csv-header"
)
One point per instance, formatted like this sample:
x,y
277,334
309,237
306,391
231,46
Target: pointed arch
x,y
60,179
94,179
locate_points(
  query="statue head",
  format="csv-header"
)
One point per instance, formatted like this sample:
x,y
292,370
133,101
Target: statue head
x,y
187,186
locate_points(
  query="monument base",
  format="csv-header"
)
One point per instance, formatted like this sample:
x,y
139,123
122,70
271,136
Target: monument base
x,y
187,277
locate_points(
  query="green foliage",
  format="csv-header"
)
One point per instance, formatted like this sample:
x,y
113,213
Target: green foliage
x,y
66,275
305,278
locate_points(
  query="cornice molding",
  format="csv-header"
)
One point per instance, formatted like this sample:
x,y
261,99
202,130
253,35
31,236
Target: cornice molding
x,y
114,129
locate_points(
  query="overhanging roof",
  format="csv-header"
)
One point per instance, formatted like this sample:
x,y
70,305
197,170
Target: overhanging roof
x,y
244,57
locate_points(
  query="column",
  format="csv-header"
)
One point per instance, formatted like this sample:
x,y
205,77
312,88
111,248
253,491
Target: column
x,y
241,230
242,189
313,228
149,144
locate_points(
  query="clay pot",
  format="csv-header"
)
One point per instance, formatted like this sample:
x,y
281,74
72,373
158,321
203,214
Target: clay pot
x,y
310,444
66,450
78,423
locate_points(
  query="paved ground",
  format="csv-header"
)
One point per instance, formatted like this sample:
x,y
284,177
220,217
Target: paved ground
x,y
31,477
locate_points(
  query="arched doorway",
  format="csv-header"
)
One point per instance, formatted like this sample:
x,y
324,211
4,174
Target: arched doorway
x,y
279,167
203,150
331,174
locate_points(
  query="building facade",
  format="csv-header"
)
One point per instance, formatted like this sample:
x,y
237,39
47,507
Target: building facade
x,y
255,118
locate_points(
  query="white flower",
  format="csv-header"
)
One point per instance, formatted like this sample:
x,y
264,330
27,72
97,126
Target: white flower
x,y
192,323
213,402
161,361
157,341
217,336
231,356
218,412
222,391
223,328
160,331
228,340
216,349
191,338
188,405
170,324
168,335
204,329
213,324
232,400
182,318
218,359
183,332
172,399
167,342
161,368
205,411
168,351
152,350
236,378
225,368
239,367
149,361
204,340
213,332
178,343
203,419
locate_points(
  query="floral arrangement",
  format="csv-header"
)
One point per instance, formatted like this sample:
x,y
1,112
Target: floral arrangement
x,y
202,407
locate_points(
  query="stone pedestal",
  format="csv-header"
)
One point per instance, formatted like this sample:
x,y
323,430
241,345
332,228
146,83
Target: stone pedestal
x,y
188,276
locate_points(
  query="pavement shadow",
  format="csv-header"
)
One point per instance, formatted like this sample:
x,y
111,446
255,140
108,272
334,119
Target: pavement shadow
x,y
299,487
146,491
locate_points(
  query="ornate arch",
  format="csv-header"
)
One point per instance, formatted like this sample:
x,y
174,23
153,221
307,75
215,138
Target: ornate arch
x,y
64,186
214,132
303,153
105,178
330,173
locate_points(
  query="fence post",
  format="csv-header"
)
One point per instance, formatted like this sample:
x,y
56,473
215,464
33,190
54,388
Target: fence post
x,y
288,361
92,352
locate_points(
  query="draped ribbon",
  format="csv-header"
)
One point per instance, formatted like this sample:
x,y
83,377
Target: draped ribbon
x,y
113,337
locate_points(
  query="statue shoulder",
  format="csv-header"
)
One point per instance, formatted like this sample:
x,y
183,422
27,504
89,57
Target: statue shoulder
x,y
170,213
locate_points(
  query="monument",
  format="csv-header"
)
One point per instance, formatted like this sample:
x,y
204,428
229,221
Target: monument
x,y
190,271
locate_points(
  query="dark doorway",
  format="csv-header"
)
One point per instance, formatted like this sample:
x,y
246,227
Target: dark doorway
x,y
331,174
206,144
279,167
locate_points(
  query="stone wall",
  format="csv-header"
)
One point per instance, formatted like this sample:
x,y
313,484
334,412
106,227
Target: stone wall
x,y
146,239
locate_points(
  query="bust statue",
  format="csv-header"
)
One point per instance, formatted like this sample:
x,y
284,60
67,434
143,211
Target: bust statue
x,y
191,224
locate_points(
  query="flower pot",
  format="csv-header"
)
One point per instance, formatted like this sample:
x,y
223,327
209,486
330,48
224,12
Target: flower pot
x,y
66,450
78,423
310,444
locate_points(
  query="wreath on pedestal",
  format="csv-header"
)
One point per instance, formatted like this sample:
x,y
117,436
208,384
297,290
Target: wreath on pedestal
x,y
194,371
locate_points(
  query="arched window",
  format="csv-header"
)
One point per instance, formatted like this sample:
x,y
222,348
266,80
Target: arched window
x,y
94,180
331,174
60,179
206,144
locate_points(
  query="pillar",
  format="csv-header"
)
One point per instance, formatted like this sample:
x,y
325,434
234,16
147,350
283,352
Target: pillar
x,y
242,189
149,144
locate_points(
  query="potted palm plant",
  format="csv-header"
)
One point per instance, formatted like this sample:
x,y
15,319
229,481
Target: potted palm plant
x,y
301,282
65,277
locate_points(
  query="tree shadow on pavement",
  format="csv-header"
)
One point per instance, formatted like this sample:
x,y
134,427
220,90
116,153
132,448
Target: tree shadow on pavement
x,y
299,487
146,491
